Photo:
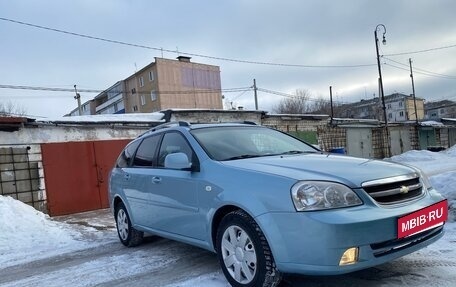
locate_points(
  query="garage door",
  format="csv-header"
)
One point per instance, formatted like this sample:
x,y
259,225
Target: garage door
x,y
76,174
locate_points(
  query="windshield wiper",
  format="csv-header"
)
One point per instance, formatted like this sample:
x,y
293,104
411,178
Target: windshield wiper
x,y
242,156
296,152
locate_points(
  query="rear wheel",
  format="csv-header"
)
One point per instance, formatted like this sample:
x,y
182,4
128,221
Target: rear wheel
x,y
243,252
128,235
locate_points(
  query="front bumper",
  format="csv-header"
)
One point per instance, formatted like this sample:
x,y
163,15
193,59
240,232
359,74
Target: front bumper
x,y
313,242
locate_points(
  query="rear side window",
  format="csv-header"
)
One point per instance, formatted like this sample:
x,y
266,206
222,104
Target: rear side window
x,y
127,154
145,156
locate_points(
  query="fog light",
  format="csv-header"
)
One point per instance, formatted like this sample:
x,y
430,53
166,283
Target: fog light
x,y
350,256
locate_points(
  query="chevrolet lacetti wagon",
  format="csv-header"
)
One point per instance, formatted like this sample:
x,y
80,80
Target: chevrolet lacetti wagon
x,y
268,203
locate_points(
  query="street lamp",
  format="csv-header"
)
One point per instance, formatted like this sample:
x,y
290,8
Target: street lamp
x,y
380,80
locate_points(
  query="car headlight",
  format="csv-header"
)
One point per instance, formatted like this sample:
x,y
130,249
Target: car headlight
x,y
318,195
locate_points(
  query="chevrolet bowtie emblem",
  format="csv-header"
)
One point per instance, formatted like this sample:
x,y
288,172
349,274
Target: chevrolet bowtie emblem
x,y
404,189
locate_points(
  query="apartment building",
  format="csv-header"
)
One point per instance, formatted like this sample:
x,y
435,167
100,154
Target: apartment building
x,y
441,109
163,84
399,108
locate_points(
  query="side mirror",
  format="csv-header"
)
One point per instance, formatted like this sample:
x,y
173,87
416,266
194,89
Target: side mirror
x,y
178,160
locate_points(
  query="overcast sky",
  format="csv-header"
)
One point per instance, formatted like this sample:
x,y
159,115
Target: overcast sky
x,y
316,33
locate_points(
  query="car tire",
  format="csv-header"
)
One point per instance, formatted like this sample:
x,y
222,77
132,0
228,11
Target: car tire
x,y
244,253
128,235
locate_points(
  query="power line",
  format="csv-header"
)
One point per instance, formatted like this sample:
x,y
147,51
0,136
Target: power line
x,y
46,89
241,94
295,96
52,89
420,51
422,70
180,52
421,73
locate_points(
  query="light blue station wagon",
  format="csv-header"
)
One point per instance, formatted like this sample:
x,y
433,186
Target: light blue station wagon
x,y
268,203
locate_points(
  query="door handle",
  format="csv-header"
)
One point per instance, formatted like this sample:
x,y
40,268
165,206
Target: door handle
x,y
126,176
156,179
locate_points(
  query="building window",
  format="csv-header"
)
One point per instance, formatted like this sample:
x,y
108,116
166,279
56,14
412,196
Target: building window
x,y
143,100
116,109
401,113
389,106
141,81
400,104
135,108
442,111
153,96
133,91
390,116
151,76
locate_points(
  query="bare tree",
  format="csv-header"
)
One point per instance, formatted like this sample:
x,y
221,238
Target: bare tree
x,y
11,109
321,106
298,104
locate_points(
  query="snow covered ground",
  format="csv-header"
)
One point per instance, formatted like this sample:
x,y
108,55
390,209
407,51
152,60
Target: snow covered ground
x,y
83,250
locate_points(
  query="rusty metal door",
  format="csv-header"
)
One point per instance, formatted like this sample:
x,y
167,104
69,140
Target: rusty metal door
x,y
76,174
106,153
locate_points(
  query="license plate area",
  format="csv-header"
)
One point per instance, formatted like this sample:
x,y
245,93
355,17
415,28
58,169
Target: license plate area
x,y
423,219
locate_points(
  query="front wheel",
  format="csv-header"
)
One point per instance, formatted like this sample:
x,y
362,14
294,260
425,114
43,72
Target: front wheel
x,y
244,253
128,235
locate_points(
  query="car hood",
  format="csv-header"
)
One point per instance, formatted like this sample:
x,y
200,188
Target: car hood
x,y
329,167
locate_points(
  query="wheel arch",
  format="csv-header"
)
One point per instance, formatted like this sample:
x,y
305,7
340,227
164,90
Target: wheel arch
x,y
217,218
117,199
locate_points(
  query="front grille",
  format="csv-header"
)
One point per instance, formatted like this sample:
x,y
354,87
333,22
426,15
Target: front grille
x,y
395,190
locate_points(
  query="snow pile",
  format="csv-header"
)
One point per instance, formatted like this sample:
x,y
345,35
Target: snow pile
x,y
431,124
451,152
441,169
26,232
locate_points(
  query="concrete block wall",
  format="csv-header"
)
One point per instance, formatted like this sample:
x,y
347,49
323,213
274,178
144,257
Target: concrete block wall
x,y
330,137
22,175
293,125
379,143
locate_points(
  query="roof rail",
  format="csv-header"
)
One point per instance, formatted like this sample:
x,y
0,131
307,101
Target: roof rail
x,y
170,124
249,123
167,125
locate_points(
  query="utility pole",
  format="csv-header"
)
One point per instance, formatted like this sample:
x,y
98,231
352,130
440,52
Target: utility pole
x,y
380,81
78,98
331,101
413,90
255,94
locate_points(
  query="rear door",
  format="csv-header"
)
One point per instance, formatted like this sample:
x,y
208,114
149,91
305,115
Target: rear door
x,y
137,180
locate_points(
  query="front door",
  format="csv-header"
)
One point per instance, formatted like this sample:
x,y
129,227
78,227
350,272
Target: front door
x,y
172,194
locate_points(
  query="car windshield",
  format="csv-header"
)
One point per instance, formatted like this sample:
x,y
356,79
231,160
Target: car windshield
x,y
231,143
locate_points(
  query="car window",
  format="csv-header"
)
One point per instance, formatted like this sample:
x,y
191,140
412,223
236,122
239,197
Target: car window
x,y
174,142
227,143
145,155
125,157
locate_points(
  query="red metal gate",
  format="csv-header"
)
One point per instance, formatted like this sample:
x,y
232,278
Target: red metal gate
x,y
76,174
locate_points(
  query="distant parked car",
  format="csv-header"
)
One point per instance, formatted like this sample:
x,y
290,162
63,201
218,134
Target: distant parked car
x,y
268,203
